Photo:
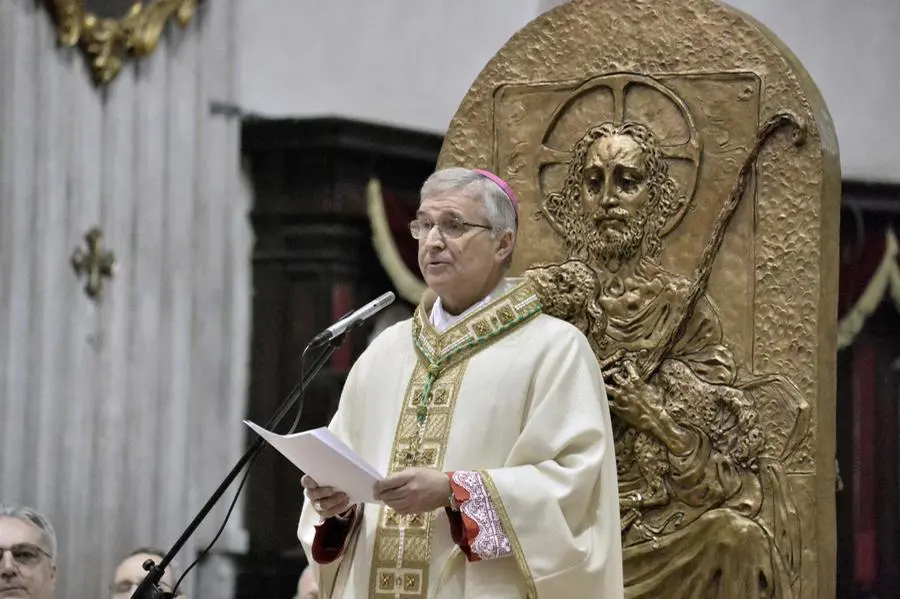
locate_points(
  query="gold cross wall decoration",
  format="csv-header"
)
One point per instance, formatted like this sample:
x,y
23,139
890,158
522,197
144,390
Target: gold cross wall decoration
x,y
96,264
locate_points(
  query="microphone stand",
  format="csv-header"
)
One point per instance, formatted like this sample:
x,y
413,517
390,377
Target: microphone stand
x,y
149,587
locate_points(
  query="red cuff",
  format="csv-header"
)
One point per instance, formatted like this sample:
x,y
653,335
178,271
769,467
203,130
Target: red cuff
x,y
331,538
463,529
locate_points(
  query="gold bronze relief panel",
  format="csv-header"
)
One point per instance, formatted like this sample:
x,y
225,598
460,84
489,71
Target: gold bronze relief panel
x,y
679,184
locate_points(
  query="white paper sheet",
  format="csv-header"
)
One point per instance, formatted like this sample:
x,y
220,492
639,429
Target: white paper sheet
x,y
327,459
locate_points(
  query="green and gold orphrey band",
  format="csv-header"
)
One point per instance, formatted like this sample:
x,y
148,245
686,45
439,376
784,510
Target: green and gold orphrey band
x,y
403,545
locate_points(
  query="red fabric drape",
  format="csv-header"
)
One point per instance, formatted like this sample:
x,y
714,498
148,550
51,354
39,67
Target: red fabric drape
x,y
399,215
865,512
859,261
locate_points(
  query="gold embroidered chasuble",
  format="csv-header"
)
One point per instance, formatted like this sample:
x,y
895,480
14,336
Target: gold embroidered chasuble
x,y
491,395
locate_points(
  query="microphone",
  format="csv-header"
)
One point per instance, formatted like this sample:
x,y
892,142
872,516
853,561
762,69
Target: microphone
x,y
354,319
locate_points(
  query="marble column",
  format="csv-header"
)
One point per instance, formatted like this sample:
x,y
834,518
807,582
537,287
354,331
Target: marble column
x,y
119,416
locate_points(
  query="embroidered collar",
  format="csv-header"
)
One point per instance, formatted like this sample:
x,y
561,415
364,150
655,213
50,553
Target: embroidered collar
x,y
442,320
514,306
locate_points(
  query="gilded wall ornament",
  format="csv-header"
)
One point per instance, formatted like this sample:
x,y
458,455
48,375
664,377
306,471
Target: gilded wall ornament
x,y
111,31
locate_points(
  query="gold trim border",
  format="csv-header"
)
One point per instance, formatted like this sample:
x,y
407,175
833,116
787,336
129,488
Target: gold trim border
x,y
436,435
513,308
518,553
106,42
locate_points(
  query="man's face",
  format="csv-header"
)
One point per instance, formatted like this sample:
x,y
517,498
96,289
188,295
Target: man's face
x,y
615,196
33,574
131,573
464,265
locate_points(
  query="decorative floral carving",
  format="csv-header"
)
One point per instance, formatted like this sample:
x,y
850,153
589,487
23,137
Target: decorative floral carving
x,y
108,42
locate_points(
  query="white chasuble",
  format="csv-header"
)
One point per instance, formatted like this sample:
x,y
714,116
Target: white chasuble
x,y
511,403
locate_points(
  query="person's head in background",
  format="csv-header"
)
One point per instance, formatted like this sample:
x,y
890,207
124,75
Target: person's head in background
x,y
130,573
307,586
27,554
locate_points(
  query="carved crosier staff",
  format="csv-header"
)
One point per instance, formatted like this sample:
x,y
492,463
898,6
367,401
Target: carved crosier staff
x,y
780,119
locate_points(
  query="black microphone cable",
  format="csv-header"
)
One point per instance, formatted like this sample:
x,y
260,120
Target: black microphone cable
x,y
300,391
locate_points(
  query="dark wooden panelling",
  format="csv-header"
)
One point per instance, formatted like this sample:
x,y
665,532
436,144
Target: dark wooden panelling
x,y
312,259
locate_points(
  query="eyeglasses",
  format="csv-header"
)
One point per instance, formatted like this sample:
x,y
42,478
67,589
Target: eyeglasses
x,y
449,229
25,554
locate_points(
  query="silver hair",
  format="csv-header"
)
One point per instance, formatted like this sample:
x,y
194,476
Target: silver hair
x,y
32,516
498,207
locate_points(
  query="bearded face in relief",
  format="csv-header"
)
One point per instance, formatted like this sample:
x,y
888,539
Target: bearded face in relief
x,y
617,195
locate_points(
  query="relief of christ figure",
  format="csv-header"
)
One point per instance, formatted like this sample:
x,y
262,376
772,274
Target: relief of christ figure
x,y
706,509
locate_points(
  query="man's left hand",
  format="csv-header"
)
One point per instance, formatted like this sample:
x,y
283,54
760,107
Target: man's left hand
x,y
415,491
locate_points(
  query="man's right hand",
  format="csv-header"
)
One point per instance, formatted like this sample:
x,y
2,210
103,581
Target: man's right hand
x,y
327,501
